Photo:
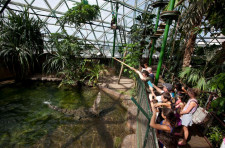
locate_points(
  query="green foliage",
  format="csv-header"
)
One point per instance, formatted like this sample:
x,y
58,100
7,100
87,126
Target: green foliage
x,y
146,18
81,13
117,142
93,71
132,57
209,11
66,56
215,14
194,76
135,33
66,61
215,136
145,29
207,63
218,83
20,42
218,105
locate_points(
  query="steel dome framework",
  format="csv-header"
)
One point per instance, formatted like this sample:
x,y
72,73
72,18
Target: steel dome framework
x,y
98,32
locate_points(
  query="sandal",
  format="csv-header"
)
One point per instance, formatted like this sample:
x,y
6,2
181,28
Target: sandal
x,y
180,143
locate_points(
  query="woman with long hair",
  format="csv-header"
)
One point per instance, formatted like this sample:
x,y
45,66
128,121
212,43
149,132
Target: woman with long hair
x,y
165,128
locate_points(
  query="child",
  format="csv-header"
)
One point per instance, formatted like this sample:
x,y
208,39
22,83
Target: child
x,y
166,88
187,113
179,105
166,98
145,67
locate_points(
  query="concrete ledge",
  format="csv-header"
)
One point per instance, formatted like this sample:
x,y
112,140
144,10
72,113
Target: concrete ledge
x,y
112,93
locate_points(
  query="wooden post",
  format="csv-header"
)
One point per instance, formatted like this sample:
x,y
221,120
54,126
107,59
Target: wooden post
x,y
121,70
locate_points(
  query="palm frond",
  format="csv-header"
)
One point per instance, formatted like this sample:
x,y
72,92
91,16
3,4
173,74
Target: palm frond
x,y
202,85
185,72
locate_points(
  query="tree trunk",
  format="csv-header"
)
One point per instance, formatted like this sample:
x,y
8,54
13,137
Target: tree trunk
x,y
189,49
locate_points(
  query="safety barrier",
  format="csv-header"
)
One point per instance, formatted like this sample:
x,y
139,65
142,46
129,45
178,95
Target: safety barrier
x,y
146,136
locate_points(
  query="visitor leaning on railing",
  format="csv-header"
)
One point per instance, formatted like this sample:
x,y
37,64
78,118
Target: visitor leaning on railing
x,y
165,128
144,76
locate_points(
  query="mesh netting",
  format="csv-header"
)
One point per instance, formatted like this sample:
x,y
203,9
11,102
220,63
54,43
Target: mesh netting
x,y
146,137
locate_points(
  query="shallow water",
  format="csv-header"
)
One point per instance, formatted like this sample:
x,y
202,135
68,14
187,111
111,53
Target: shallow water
x,y
25,121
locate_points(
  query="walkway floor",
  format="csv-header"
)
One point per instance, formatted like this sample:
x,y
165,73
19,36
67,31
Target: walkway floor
x,y
197,140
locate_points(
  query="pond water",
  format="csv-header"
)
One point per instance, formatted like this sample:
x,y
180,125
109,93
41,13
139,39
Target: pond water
x,y
25,121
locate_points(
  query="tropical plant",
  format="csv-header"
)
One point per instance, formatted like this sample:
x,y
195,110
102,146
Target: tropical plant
x,y
135,33
215,136
132,57
218,105
205,67
66,61
194,77
218,84
93,73
81,13
67,54
195,18
146,18
20,42
192,19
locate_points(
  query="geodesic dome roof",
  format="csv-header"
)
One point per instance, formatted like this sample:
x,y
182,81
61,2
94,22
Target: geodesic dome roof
x,y
98,32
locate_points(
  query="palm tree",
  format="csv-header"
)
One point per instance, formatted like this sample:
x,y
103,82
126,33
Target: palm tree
x,y
191,19
209,11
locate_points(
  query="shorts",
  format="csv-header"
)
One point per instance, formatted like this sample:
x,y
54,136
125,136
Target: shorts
x,y
186,120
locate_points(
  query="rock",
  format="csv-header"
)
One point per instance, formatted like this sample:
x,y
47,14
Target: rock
x,y
77,117
130,141
131,118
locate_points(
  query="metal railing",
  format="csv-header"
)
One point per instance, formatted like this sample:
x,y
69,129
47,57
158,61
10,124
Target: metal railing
x,y
146,136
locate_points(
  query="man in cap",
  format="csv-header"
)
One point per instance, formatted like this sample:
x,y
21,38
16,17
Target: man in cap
x,y
167,87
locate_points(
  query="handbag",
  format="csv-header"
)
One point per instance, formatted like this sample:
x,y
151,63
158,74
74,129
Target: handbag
x,y
199,115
